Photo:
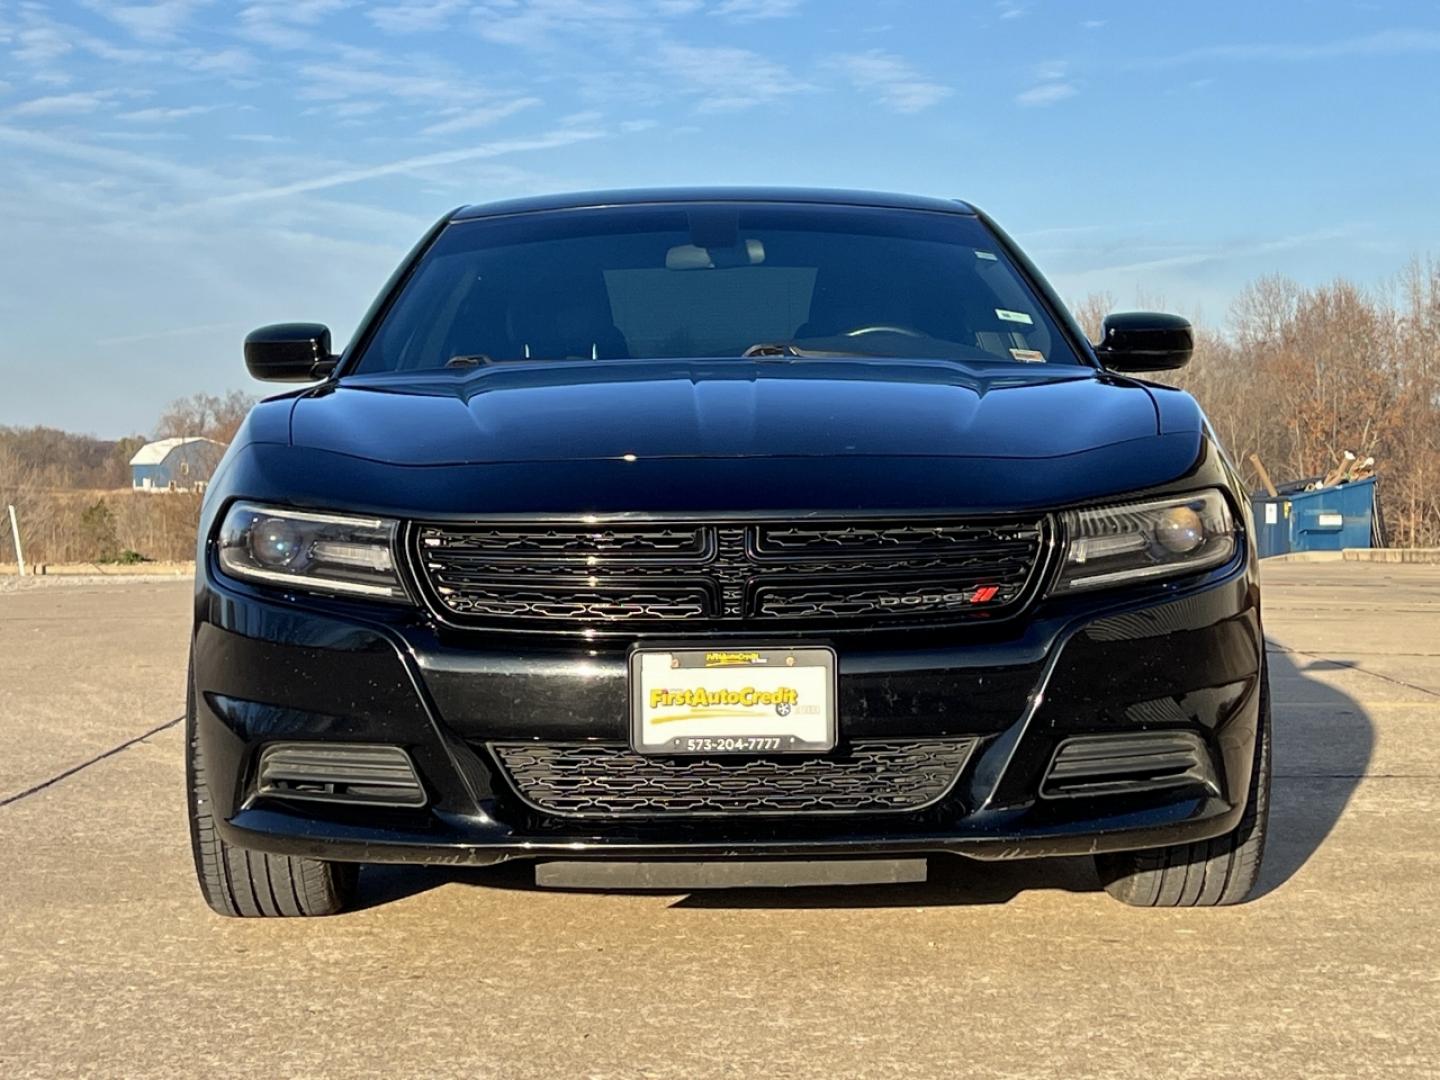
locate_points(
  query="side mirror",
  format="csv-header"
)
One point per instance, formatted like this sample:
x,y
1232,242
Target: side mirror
x,y
1145,341
289,352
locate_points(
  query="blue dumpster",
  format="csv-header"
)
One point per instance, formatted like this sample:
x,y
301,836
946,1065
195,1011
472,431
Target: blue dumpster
x,y
1332,518
1272,524
1326,519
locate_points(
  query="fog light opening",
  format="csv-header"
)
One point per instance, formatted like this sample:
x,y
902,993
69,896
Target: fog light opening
x,y
349,773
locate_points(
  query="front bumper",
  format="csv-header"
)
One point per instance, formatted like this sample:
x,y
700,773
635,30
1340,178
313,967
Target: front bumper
x,y
1166,657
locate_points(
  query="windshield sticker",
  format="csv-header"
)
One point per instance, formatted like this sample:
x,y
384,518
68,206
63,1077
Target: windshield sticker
x,y
1014,316
1028,356
987,255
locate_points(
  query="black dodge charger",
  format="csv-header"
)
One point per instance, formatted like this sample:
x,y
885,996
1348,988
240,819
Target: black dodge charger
x,y
724,536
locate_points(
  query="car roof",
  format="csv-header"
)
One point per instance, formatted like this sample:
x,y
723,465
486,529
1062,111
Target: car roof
x,y
643,196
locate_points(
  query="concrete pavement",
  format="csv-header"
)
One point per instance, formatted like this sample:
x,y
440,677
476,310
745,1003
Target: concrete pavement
x,y
111,965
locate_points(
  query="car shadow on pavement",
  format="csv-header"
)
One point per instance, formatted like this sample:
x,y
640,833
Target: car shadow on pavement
x,y
1323,740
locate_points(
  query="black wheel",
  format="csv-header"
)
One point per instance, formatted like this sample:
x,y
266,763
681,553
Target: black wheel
x,y
253,884
1207,873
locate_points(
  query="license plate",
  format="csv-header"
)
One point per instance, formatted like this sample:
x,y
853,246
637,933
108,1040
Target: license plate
x,y
732,701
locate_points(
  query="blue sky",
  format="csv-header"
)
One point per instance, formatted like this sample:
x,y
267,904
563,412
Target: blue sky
x,y
174,173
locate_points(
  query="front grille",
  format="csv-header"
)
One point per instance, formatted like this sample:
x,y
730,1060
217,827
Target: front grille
x,y
611,780
728,575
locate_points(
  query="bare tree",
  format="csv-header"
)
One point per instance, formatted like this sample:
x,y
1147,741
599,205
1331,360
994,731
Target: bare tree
x,y
1090,312
213,416
1302,375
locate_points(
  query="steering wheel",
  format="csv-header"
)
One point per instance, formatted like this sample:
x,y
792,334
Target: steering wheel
x,y
881,328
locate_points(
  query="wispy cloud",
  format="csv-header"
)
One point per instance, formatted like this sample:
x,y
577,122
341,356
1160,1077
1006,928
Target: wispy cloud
x,y
336,81
1394,42
891,79
174,332
631,50
149,135
41,42
111,52
724,78
543,24
286,24
468,119
163,114
415,16
1051,85
1230,252
225,62
339,178
378,78
1046,94
111,160
85,101
262,138
753,10
40,45
362,83
154,22
1032,235
349,112
613,26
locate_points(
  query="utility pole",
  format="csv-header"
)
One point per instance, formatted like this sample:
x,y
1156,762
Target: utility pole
x,y
15,532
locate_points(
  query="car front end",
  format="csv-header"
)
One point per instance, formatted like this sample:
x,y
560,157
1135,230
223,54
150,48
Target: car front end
x,y
464,619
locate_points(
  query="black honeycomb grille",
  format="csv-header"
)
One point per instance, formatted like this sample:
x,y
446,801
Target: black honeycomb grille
x,y
727,575
611,780
530,601
527,541
865,541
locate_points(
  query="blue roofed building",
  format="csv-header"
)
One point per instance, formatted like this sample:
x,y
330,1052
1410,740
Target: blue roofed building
x,y
181,464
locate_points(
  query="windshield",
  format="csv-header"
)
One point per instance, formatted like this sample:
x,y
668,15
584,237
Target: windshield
x,y
713,280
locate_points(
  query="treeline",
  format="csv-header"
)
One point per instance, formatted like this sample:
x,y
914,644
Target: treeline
x,y
42,457
73,492
1299,376
49,458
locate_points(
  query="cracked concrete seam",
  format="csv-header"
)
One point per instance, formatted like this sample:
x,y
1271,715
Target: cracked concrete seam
x,y
35,789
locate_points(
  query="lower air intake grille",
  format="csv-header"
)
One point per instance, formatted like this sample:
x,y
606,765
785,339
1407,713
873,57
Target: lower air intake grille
x,y
611,780
354,773
1128,763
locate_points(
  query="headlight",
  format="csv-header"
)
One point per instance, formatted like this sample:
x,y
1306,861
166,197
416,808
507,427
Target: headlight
x,y
320,552
1114,545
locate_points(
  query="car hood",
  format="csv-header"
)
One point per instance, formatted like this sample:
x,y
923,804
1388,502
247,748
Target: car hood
x,y
551,412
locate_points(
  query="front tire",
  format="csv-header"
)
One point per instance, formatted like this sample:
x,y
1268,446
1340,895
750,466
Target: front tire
x,y
253,884
1207,873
